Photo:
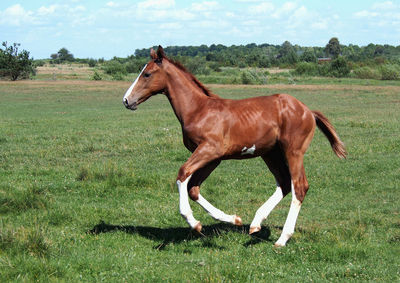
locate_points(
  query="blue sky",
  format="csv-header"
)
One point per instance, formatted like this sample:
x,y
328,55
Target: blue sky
x,y
116,28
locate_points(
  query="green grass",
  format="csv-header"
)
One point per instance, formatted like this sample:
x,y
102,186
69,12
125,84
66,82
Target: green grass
x,y
87,191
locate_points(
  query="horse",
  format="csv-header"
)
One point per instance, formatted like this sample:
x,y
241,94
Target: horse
x,y
278,128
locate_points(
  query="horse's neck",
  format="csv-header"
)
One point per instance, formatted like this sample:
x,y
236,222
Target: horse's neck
x,y
185,96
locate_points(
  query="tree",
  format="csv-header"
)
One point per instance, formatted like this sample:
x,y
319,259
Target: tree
x,y
308,55
287,54
15,64
63,55
332,49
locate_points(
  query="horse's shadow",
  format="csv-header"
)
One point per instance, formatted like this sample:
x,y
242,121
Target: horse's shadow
x,y
177,235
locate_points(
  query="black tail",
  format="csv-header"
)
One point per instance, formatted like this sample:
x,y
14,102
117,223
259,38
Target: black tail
x,y
329,131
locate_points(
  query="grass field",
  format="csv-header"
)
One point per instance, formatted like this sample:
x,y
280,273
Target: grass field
x,y
87,191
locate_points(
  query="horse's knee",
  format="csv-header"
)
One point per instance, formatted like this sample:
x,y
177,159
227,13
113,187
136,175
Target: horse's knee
x,y
194,193
300,188
183,174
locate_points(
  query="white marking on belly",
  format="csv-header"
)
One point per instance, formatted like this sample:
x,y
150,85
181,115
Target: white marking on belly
x,y
250,150
128,92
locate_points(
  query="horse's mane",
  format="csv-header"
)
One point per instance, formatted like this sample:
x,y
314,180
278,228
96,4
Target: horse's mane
x,y
205,90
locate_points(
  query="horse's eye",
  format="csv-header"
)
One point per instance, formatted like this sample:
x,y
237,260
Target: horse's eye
x,y
146,75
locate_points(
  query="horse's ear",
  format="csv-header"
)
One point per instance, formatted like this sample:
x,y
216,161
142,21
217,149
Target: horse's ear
x,y
160,53
153,54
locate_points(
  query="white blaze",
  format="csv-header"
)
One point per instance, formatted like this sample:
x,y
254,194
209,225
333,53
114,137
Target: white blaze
x,y
128,92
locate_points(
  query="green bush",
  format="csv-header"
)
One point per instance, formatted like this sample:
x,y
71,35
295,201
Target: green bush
x,y
96,76
247,78
14,63
114,67
92,62
390,72
339,67
367,73
324,70
39,63
135,65
305,68
215,67
253,77
118,76
197,66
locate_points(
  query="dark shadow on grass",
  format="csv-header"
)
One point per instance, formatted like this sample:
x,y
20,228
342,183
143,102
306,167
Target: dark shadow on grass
x,y
177,235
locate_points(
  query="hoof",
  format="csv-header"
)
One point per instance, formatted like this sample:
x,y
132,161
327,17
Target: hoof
x,y
238,221
278,245
198,227
254,229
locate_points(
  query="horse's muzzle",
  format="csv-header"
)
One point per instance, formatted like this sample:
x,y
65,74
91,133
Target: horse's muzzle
x,y
130,107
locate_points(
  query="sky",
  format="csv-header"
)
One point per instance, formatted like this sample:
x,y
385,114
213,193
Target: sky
x,y
104,29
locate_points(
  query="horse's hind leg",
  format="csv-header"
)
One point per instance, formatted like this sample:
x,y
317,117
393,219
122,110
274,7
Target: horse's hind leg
x,y
299,186
194,192
299,189
276,163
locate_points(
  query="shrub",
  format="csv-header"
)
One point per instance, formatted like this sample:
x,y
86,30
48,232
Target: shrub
x,y
197,66
339,67
92,62
247,78
305,68
96,76
324,70
215,67
389,72
253,77
367,73
114,67
14,63
134,66
39,63
118,76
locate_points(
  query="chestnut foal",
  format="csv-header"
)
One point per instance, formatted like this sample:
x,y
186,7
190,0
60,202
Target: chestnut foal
x,y
278,128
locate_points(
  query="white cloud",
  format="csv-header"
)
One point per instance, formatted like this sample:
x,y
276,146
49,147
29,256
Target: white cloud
x,y
387,5
365,14
286,9
262,8
16,15
247,1
111,4
205,6
79,8
170,26
321,25
45,11
156,4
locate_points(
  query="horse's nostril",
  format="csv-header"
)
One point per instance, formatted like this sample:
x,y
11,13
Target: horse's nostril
x,y
125,102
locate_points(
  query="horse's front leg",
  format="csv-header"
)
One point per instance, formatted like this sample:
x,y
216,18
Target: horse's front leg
x,y
184,206
203,155
194,193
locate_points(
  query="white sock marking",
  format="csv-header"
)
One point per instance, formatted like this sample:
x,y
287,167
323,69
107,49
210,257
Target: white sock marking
x,y
250,150
288,228
215,212
128,92
184,206
264,210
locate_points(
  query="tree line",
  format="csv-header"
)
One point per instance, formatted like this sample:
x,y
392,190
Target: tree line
x,y
203,59
267,55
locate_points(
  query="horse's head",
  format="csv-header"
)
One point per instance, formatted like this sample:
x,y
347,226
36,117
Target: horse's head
x,y
151,80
